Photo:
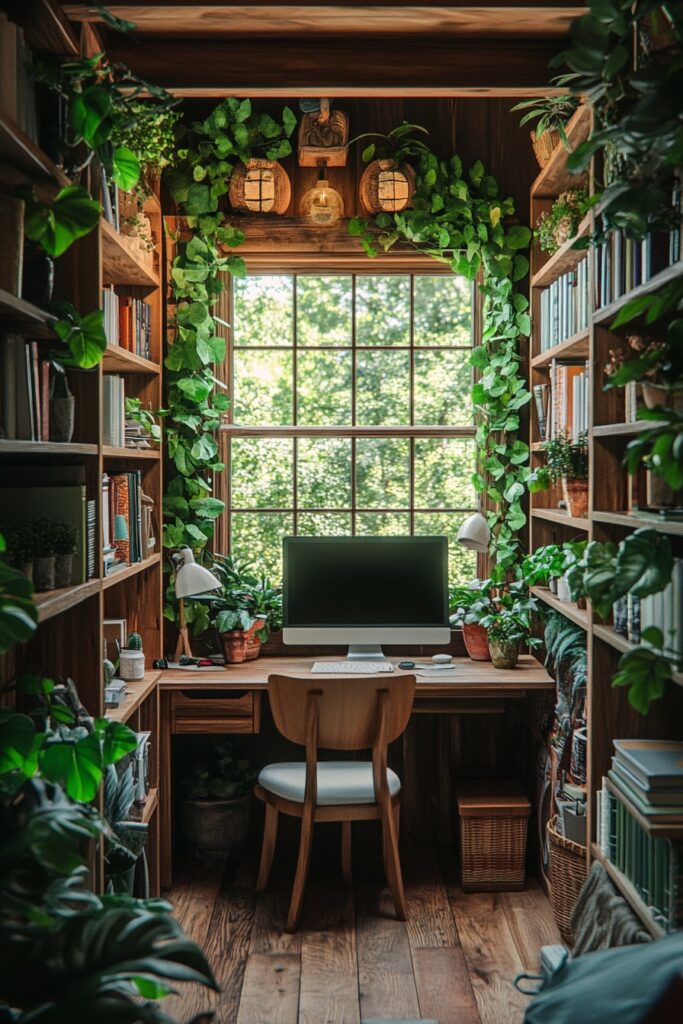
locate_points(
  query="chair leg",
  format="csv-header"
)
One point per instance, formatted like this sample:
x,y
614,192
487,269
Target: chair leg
x,y
268,848
303,861
346,853
392,861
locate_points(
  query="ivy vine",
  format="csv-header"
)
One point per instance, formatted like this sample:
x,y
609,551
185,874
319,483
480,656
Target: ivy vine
x,y
460,220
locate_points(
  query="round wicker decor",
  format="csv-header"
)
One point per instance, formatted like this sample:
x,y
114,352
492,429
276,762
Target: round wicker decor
x,y
260,186
386,188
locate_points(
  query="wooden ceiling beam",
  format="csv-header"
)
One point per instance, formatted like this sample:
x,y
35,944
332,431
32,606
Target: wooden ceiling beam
x,y
463,19
341,66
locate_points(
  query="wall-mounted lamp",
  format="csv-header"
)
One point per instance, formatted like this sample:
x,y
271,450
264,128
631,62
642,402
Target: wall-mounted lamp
x,y
475,533
321,205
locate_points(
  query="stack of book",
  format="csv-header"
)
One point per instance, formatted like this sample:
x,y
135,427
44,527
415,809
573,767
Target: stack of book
x,y
127,322
127,520
564,307
17,84
137,436
562,405
641,809
663,610
113,411
622,263
27,376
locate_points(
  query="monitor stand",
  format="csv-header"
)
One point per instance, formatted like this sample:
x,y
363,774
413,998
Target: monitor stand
x,y
365,652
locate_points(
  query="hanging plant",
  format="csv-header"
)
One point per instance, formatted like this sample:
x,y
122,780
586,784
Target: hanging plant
x,y
459,221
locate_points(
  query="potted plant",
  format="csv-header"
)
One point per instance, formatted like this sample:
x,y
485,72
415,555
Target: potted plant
x,y
551,114
21,550
245,589
216,802
235,626
656,363
64,543
388,182
543,567
42,539
566,460
508,625
468,605
561,223
571,585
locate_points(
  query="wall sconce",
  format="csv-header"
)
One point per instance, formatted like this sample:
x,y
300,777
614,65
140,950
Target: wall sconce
x,y
321,206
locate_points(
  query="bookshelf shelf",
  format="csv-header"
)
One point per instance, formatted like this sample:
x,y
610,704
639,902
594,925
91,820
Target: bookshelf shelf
x,y
575,347
54,602
635,522
554,177
605,313
109,452
623,644
556,515
131,570
122,262
137,692
628,892
17,314
46,448
566,258
623,429
17,149
567,608
119,360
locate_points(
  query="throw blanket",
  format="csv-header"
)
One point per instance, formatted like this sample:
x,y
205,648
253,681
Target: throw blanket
x,y
601,918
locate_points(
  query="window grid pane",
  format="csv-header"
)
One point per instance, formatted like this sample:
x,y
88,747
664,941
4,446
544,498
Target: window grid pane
x,y
399,474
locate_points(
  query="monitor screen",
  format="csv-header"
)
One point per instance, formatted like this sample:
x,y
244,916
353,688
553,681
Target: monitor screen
x,y
365,582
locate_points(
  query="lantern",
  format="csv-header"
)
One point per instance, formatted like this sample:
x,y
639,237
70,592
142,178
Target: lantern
x,y
260,186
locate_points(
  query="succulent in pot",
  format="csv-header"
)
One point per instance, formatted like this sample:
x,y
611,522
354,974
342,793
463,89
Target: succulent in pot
x,y
655,363
567,461
216,802
468,605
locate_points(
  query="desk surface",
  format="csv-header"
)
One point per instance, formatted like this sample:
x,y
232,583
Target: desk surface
x,y
474,678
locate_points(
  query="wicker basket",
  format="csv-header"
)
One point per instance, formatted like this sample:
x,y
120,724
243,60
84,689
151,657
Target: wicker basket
x,y
567,875
386,188
544,146
260,186
494,817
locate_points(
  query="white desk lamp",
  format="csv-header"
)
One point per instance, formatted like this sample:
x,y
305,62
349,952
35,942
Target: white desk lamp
x,y
475,533
191,580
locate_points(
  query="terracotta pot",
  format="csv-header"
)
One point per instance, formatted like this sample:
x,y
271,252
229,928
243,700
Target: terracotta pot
x,y
504,653
575,493
234,646
215,829
476,641
668,398
253,648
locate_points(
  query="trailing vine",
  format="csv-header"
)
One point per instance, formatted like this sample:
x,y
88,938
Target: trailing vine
x,y
212,148
459,220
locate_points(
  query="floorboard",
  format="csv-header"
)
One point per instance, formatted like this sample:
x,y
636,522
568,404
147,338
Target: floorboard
x,y
351,961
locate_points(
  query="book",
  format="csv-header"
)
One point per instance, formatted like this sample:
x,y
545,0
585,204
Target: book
x,y
655,797
657,815
655,763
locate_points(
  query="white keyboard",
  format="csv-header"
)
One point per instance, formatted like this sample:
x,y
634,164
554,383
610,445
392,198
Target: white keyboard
x,y
346,668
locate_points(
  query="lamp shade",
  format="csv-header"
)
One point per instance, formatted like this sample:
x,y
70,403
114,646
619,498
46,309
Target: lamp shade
x,y
475,533
192,579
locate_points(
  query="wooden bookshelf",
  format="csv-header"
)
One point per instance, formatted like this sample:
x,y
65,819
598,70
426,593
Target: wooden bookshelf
x,y
566,258
69,639
608,712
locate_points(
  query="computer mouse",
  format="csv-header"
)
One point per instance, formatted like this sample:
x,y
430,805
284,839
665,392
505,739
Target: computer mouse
x,y
406,664
441,659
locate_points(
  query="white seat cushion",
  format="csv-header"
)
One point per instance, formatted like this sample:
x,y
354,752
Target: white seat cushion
x,y
339,782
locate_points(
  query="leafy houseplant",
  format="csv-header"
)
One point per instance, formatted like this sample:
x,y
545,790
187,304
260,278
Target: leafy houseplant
x,y
18,613
468,606
216,802
551,114
83,336
72,214
656,363
562,222
507,628
566,460
660,448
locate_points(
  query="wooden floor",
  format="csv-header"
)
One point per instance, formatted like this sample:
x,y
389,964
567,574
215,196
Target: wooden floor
x,y
452,961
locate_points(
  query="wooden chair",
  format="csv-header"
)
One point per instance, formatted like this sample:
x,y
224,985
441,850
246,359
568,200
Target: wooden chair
x,y
336,714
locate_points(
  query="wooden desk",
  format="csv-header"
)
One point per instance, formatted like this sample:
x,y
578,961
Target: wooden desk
x,y
229,701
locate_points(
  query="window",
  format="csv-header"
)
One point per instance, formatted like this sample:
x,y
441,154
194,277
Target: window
x,y
351,410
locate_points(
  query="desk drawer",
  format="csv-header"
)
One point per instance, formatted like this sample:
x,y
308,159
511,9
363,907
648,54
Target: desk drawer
x,y
230,711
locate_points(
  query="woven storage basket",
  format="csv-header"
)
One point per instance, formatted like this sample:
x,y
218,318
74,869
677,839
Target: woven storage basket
x,y
567,875
494,816
543,147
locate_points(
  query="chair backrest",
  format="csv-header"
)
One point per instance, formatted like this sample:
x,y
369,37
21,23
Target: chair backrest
x,y
348,708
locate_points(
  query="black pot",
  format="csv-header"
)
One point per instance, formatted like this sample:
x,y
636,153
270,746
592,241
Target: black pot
x,y
39,276
216,830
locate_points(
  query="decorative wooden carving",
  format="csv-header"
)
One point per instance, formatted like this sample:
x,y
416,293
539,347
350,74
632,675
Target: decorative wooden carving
x,y
324,136
386,188
260,186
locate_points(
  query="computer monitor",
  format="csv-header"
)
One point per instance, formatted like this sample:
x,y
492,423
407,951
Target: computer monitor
x,y
365,591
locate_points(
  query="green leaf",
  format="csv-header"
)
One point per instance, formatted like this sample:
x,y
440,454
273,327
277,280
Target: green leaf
x,y
72,215
125,168
89,115
518,237
196,389
75,766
